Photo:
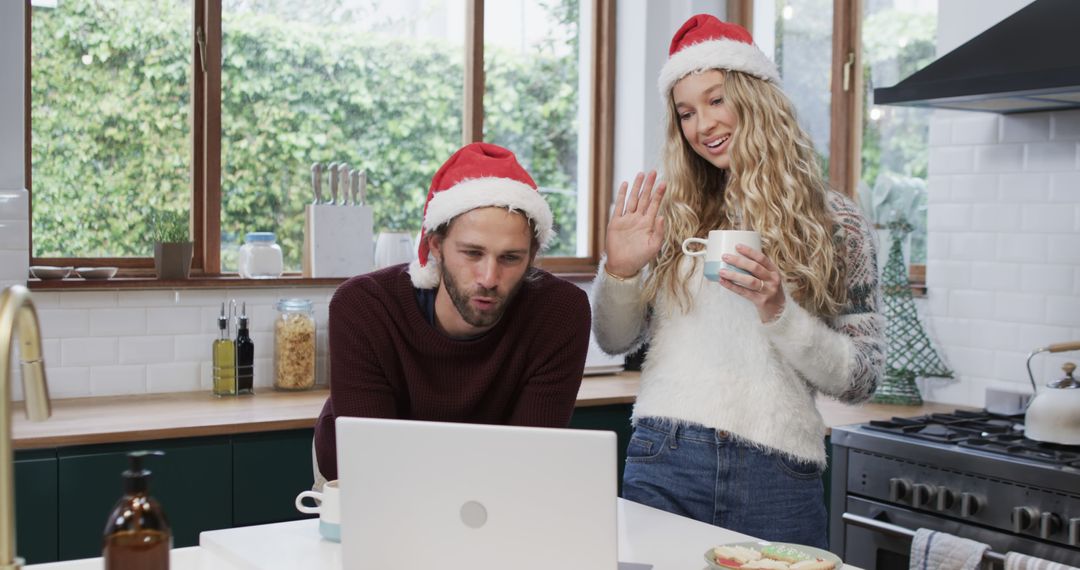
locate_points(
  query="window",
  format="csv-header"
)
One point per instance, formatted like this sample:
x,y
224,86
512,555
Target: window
x,y
218,110
831,56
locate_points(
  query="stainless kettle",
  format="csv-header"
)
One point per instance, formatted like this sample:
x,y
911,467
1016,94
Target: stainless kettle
x,y
1053,414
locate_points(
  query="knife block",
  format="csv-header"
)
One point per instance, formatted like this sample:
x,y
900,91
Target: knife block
x,y
337,240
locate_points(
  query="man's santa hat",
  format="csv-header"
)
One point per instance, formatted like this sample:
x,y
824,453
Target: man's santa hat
x,y
704,42
478,176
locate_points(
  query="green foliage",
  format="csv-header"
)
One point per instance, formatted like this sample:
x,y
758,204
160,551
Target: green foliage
x,y
111,111
167,226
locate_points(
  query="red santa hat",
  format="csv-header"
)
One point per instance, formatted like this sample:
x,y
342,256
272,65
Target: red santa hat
x,y
704,42
477,176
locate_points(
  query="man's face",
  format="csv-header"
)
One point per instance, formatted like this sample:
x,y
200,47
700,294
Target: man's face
x,y
482,260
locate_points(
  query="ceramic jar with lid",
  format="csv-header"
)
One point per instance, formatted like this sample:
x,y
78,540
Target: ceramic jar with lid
x,y
260,256
294,345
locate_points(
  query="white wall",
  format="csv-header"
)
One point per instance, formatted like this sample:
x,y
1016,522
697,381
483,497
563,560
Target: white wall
x,y
14,202
1003,268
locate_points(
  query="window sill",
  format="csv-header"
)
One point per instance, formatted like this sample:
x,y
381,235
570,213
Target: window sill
x,y
222,282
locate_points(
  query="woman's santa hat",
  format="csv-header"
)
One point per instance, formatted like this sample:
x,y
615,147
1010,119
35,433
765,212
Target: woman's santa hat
x,y
704,42
478,176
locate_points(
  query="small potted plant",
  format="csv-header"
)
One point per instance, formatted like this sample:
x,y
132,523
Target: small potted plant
x,y
172,246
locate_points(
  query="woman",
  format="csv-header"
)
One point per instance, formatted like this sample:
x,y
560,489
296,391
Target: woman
x,y
726,429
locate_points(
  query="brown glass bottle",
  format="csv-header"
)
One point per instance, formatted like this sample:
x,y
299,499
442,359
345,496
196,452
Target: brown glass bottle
x,y
137,534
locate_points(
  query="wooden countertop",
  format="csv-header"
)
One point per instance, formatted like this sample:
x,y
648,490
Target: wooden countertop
x,y
82,421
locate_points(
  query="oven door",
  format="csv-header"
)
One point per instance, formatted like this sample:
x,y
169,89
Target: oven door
x,y
879,550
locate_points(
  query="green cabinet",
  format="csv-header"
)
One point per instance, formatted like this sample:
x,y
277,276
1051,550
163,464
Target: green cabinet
x,y
614,418
36,506
193,482
269,470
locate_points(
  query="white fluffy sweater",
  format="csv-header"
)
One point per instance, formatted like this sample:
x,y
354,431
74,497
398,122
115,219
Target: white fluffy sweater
x,y
719,366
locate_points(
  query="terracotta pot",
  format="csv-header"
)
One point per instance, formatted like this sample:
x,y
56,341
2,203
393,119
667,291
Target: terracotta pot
x,y
173,260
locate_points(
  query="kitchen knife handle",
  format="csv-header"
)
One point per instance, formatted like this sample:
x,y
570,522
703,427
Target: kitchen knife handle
x,y
316,182
333,182
362,191
343,183
354,186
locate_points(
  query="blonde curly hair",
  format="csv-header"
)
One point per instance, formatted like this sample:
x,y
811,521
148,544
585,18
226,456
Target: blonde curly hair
x,y
774,186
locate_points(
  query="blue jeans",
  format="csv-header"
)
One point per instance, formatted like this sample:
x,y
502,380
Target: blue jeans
x,y
706,475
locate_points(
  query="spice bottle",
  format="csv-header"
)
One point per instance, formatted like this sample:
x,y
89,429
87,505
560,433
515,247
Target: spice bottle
x,y
294,345
137,534
245,356
224,363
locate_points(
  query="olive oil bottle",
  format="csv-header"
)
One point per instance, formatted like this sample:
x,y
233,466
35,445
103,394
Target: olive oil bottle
x,y
137,534
224,358
245,356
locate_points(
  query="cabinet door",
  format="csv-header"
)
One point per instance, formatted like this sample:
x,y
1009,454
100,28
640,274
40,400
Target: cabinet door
x,y
614,418
269,470
35,506
193,483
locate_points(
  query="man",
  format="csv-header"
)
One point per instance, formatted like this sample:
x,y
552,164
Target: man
x,y
470,331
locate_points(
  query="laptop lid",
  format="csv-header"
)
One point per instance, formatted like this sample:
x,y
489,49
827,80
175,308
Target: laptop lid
x,y
479,497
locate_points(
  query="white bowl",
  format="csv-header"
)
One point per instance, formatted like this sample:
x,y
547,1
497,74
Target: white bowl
x,y
96,272
45,272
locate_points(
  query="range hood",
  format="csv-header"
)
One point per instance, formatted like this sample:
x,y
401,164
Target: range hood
x,y
1029,61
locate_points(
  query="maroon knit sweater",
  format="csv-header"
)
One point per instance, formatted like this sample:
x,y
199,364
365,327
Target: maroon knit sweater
x,y
387,361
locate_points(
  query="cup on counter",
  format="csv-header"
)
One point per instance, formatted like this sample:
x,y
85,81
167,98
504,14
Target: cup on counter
x,y
327,506
719,243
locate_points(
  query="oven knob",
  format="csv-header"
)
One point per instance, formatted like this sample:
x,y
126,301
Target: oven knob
x,y
945,498
1024,518
1074,532
1049,523
969,504
898,489
921,495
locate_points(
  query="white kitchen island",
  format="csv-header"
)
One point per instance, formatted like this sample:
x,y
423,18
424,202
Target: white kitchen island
x,y
650,538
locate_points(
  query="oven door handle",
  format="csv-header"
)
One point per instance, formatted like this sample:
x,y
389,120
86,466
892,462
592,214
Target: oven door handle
x,y
897,530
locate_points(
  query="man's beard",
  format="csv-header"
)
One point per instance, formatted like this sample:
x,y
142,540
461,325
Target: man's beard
x,y
460,298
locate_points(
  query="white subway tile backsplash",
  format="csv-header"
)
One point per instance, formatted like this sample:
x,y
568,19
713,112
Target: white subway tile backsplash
x,y
69,382
1012,364
14,265
972,188
1019,307
14,235
1022,247
1037,336
949,218
88,299
117,321
995,276
952,160
969,304
45,300
940,132
1066,125
64,323
146,349
172,377
1024,187
1063,310
978,128
952,331
151,298
14,205
1065,187
1051,279
979,246
175,320
1047,218
1025,127
945,390
999,158
88,351
117,380
975,361
1063,248
200,297
193,347
937,246
951,275
1051,156
993,335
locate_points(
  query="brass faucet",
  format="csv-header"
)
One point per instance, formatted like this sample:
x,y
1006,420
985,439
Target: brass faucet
x,y
17,311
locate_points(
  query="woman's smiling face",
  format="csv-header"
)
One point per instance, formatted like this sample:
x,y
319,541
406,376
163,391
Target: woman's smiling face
x,y
706,118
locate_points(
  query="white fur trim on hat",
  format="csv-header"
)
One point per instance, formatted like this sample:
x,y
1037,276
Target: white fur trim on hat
x,y
426,276
717,54
484,192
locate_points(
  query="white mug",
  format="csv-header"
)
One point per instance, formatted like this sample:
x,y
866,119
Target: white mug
x,y
719,243
328,507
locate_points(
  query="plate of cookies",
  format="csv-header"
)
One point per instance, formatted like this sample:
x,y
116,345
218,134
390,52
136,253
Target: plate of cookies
x,y
771,556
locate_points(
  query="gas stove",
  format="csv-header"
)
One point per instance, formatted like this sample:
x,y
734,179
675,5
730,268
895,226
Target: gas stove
x,y
969,473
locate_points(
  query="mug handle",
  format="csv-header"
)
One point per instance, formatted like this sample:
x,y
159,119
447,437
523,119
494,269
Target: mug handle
x,y
688,241
300,506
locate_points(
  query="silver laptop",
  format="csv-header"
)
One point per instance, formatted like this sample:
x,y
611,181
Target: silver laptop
x,y
477,497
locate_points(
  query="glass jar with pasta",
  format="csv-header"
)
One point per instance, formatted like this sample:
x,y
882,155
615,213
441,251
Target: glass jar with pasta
x,y
294,345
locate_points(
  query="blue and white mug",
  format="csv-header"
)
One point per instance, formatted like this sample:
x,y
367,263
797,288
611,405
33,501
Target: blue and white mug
x,y
327,506
719,243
